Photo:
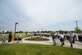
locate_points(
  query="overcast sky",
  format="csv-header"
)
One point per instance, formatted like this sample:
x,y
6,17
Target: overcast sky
x,y
33,15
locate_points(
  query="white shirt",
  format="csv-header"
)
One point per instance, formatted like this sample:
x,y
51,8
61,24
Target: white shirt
x,y
61,36
3,36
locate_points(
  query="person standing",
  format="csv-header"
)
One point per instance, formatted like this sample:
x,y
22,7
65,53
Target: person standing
x,y
10,37
73,36
62,38
53,38
3,38
71,39
19,38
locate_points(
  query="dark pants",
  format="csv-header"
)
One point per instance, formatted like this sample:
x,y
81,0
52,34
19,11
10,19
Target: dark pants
x,y
62,41
73,41
9,40
71,44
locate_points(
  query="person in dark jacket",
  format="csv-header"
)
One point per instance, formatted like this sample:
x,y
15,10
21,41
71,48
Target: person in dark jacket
x,y
10,37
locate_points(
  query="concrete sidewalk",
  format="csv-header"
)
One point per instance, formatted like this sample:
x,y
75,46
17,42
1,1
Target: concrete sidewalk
x,y
67,44
50,42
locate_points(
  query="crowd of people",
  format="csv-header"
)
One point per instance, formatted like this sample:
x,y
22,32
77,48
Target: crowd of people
x,y
71,37
10,38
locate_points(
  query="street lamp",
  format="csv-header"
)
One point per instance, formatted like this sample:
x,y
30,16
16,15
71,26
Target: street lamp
x,y
76,24
15,29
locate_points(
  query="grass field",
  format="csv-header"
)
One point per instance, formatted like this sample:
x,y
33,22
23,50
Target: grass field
x,y
35,49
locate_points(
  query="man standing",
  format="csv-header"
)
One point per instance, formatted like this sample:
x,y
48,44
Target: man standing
x,y
53,38
71,39
3,38
19,38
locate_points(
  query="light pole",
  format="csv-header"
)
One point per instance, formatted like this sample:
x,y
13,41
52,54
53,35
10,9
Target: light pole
x,y
77,29
15,29
76,23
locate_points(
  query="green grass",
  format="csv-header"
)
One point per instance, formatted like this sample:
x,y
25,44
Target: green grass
x,y
35,49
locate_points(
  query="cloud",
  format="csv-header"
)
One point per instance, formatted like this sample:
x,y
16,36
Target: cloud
x,y
38,14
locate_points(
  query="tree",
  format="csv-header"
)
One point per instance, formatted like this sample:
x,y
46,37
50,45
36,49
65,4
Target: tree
x,y
77,30
61,31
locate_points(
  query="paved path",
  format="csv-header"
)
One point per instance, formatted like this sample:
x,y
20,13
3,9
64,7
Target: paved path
x,y
67,44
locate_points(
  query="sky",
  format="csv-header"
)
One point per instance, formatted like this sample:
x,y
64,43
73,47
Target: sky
x,y
40,15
